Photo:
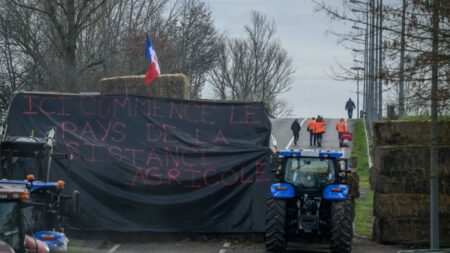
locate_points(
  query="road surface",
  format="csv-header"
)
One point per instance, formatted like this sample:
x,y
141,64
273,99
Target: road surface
x,y
281,130
220,245
224,244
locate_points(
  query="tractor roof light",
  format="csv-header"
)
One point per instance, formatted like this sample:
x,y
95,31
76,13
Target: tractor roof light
x,y
60,184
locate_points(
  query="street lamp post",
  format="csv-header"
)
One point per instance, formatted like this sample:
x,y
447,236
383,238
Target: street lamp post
x,y
357,88
380,61
367,98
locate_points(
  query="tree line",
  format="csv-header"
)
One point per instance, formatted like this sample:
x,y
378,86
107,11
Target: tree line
x,y
69,45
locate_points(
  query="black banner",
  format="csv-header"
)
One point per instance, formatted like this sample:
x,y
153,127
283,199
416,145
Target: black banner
x,y
154,164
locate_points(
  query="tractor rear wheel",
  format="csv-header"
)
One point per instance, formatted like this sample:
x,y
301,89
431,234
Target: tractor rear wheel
x,y
275,236
341,226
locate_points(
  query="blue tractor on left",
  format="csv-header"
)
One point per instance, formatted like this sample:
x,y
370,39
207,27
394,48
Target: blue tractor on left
x,y
32,212
26,206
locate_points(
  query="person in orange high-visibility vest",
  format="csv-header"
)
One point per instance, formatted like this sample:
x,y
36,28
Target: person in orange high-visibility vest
x,y
310,129
341,127
319,129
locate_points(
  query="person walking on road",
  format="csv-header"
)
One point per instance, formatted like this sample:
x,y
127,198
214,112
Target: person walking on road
x,y
295,127
341,127
319,129
350,106
310,129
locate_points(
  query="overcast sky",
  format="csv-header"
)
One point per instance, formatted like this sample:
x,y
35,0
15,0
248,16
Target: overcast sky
x,y
303,33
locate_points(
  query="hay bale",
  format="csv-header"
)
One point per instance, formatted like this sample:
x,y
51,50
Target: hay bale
x,y
167,85
405,169
353,182
408,205
391,185
408,230
408,132
401,161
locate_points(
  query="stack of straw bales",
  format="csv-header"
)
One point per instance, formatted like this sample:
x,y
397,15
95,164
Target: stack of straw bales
x,y
400,180
167,85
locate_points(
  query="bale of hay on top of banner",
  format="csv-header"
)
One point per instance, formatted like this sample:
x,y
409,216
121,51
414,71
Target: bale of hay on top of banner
x,y
166,85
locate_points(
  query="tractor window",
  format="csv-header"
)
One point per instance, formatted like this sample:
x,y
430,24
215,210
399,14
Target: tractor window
x,y
310,173
9,224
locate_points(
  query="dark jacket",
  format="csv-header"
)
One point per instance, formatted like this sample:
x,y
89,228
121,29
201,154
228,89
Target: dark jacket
x,y
295,127
350,105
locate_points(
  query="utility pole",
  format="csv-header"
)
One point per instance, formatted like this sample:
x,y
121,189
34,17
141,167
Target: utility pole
x,y
380,62
368,92
371,62
401,94
357,87
376,71
366,62
434,191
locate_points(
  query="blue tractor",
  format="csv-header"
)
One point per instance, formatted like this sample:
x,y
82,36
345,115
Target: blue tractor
x,y
28,207
310,196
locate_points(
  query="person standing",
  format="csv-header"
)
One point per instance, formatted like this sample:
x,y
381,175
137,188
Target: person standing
x,y
310,128
350,106
341,127
319,129
295,127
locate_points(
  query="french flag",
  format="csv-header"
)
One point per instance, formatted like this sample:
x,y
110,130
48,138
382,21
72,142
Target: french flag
x,y
153,71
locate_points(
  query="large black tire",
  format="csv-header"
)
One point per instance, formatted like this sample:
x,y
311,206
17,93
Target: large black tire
x,y
275,236
341,226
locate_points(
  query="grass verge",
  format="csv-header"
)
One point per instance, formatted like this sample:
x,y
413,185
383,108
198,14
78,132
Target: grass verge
x,y
364,204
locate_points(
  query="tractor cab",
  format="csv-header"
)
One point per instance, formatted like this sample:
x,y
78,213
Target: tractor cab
x,y
309,172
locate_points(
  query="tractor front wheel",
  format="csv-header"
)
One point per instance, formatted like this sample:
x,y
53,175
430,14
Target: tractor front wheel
x,y
341,226
275,236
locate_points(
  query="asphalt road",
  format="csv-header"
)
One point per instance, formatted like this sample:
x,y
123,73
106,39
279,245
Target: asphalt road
x,y
284,138
281,130
218,245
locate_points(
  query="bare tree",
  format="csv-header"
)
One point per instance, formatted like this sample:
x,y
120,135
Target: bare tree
x,y
10,66
195,41
255,68
65,21
69,45
416,47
